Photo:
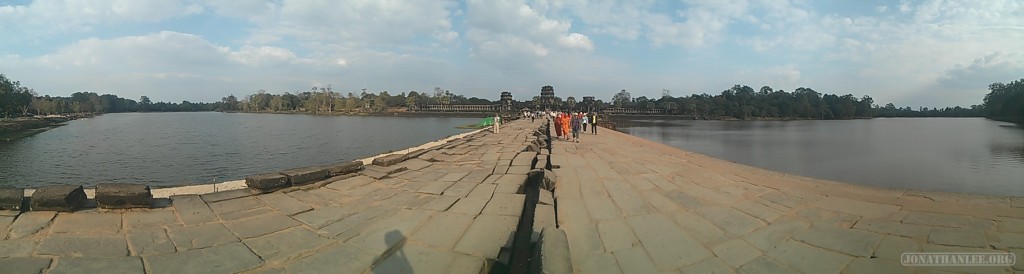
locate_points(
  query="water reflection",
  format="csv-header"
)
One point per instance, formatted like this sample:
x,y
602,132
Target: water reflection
x,y
957,155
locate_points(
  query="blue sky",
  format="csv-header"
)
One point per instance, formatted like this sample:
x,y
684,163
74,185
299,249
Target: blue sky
x,y
915,53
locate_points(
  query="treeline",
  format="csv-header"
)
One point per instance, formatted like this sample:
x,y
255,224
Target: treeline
x,y
743,102
16,100
1005,102
326,100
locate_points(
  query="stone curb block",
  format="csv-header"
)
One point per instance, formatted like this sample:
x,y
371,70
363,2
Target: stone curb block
x,y
11,198
554,251
344,168
305,175
58,198
389,160
267,182
113,195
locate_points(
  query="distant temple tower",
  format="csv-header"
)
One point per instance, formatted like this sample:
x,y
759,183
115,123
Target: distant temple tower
x,y
547,98
589,103
506,101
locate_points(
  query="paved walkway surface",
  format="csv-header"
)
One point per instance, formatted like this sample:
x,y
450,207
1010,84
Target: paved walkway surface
x,y
629,205
450,210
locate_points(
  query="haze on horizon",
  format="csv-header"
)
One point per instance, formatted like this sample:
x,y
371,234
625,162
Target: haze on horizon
x,y
916,53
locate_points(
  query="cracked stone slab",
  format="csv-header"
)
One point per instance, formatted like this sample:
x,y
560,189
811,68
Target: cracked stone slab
x,y
29,223
226,258
286,245
192,210
98,265
92,223
957,237
150,218
849,241
83,246
150,240
200,236
669,246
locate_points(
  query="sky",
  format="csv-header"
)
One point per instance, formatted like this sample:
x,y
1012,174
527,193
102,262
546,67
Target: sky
x,y
912,53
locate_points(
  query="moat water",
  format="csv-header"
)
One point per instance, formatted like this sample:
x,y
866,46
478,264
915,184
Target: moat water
x,y
967,155
174,149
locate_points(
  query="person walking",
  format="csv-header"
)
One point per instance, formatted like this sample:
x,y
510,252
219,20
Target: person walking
x,y
593,120
558,125
584,121
566,123
576,121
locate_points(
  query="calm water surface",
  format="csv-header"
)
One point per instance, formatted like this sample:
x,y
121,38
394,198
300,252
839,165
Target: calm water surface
x,y
970,155
170,149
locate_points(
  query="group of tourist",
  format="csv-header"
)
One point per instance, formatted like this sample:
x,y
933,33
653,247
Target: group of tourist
x,y
568,124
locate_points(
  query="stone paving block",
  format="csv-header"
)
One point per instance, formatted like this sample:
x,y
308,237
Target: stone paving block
x,y
735,252
460,189
505,204
892,228
518,170
1006,224
453,177
192,210
730,220
873,266
660,202
487,235
957,237
509,188
29,223
634,260
436,188
769,236
286,204
947,220
17,248
808,259
5,222
24,265
758,210
849,241
98,265
261,225
764,264
352,225
600,207
462,263
150,218
1005,240
414,164
616,235
339,258
414,259
149,240
544,215
482,191
286,245
441,203
892,247
306,175
245,213
90,223
310,198
323,216
226,258
669,246
629,202
386,233
855,207
443,230
710,265
468,206
699,228
83,246
235,205
228,195
599,263
200,236
350,183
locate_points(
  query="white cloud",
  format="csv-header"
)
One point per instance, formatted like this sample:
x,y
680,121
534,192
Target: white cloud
x,y
510,34
55,16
